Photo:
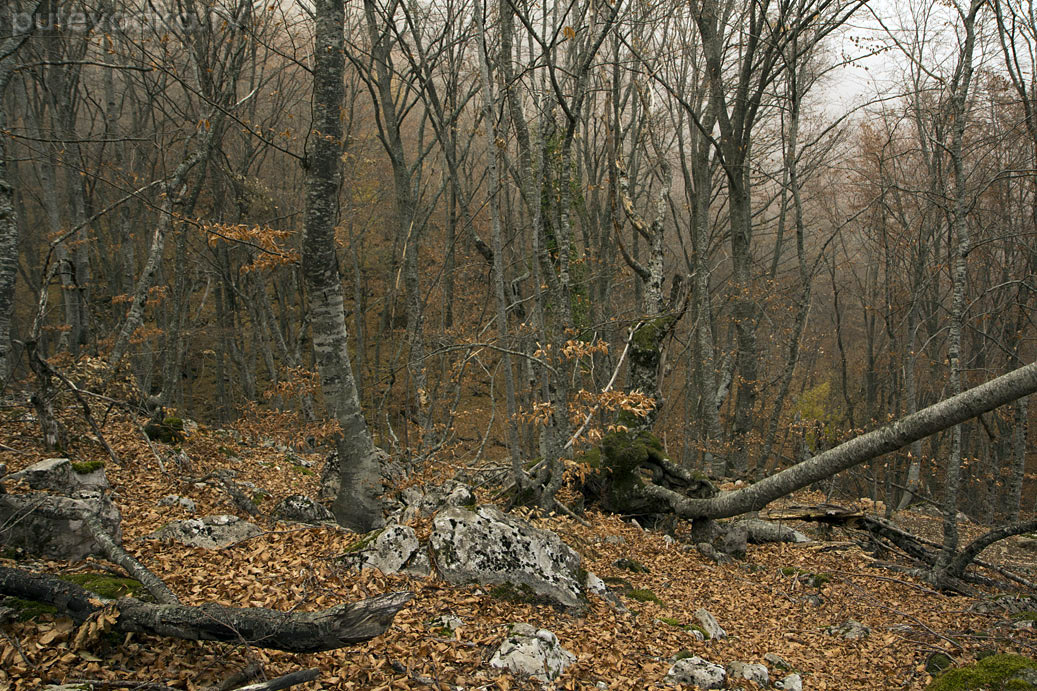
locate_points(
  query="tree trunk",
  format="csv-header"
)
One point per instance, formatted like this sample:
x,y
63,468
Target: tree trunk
x,y
357,504
297,632
8,216
940,416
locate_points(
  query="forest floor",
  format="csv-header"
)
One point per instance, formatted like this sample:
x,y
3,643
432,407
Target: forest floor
x,y
764,602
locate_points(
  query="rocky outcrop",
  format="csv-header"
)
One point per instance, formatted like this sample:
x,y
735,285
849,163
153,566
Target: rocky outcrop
x,y
744,671
48,525
185,503
299,508
709,624
490,547
529,652
792,682
392,549
418,501
850,629
210,532
61,476
696,672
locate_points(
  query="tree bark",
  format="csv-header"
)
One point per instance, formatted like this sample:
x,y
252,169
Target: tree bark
x,y
8,216
940,416
297,632
357,505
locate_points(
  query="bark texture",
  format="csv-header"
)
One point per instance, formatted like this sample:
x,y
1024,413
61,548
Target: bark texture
x,y
357,504
940,416
297,632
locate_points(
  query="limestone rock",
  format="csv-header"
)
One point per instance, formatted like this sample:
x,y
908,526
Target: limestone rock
x,y
709,624
394,548
776,661
487,546
534,653
209,532
58,475
39,523
428,501
850,629
184,503
743,671
593,584
446,623
696,672
792,682
301,509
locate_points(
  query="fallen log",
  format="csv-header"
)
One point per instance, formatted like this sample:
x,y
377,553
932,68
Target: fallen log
x,y
297,632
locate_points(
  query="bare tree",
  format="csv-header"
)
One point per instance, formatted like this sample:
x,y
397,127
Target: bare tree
x,y
357,504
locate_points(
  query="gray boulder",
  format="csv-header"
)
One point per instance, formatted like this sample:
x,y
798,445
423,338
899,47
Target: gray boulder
x,y
792,682
184,503
696,672
529,652
210,532
394,548
301,509
851,630
425,502
709,624
487,546
48,525
58,475
743,671
593,584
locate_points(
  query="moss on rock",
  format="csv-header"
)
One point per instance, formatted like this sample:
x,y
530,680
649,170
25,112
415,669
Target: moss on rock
x,y
87,467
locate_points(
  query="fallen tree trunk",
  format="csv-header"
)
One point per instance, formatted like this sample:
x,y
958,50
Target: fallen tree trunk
x,y
297,632
940,416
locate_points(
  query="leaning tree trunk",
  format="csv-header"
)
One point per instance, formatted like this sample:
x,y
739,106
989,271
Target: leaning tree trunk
x,y
943,415
297,632
357,504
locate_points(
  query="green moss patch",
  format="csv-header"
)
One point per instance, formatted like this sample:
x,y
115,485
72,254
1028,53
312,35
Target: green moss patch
x,y
26,610
518,594
816,580
642,595
994,673
169,431
87,467
105,585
